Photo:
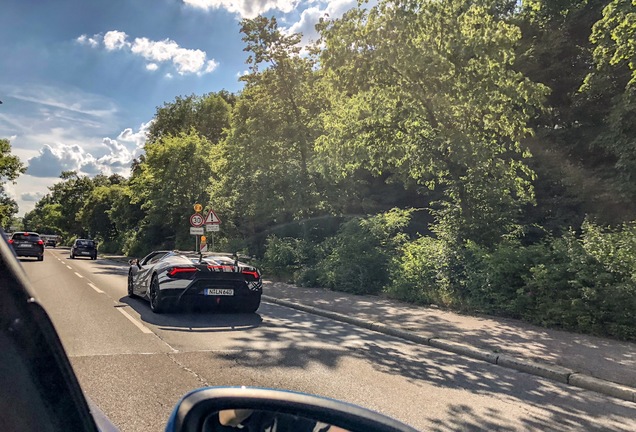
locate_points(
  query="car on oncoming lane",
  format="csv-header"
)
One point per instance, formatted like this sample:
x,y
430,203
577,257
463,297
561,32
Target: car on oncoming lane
x,y
27,244
213,280
84,248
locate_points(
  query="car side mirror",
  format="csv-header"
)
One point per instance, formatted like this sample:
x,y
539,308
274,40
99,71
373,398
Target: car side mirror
x,y
215,408
134,261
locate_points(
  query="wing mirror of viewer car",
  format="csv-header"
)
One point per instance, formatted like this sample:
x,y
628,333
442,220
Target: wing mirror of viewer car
x,y
135,261
224,408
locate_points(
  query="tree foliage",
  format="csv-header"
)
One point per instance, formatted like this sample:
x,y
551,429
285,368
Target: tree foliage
x,y
429,91
10,169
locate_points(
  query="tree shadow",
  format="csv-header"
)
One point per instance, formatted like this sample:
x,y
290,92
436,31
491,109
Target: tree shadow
x,y
298,339
604,358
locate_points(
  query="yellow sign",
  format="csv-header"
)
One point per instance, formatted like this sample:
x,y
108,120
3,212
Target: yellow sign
x,y
198,207
203,239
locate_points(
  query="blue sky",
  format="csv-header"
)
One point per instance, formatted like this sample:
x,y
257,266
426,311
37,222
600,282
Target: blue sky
x,y
80,80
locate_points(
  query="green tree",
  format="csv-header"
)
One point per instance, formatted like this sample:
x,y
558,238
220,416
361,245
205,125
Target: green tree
x,y
46,218
209,115
175,175
10,168
614,76
265,170
428,90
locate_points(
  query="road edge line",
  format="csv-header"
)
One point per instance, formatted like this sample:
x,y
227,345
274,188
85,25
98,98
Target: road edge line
x,y
137,324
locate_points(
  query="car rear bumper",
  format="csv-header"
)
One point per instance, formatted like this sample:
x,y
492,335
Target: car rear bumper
x,y
84,253
182,299
34,252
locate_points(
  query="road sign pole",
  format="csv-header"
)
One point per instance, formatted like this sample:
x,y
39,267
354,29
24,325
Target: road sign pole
x,y
212,241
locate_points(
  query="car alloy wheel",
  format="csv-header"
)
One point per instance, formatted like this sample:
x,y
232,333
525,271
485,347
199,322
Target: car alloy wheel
x,y
155,296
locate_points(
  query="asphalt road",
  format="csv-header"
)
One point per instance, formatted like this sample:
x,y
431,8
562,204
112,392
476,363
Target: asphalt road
x,y
136,365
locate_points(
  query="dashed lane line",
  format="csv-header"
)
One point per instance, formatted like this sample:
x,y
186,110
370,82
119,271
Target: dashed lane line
x,y
95,288
79,275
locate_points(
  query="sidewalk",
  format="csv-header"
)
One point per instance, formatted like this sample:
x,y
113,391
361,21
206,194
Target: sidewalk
x,y
602,358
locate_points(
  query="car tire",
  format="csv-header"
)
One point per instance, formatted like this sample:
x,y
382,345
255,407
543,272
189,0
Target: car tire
x,y
94,257
156,305
41,258
72,256
131,292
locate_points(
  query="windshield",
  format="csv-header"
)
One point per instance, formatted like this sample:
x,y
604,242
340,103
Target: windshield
x,y
26,237
423,207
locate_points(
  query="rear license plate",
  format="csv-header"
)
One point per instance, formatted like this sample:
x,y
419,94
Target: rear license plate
x,y
27,245
219,292
85,253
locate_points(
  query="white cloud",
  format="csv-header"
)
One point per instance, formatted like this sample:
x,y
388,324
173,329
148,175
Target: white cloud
x,y
139,137
115,40
240,74
51,160
245,8
309,18
69,100
169,75
91,41
31,196
211,65
186,61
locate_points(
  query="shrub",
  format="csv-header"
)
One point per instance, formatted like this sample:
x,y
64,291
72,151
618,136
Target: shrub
x,y
357,259
420,274
585,284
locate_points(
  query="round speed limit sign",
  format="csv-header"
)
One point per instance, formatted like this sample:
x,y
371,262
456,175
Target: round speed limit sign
x,y
196,220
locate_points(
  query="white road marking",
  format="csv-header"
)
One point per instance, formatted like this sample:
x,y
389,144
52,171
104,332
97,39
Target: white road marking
x,y
95,288
139,325
79,275
69,267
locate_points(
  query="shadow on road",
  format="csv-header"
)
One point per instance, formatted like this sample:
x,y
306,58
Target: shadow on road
x,y
194,320
559,407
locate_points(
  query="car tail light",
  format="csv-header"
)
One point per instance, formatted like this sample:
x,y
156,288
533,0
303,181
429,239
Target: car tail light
x,y
11,241
254,274
40,242
181,270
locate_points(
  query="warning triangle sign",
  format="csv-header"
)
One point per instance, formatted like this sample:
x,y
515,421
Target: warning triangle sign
x,y
212,218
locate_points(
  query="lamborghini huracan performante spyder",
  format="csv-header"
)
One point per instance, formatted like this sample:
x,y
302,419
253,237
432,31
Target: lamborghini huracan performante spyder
x,y
180,279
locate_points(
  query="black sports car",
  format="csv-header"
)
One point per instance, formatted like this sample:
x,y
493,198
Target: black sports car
x,y
174,278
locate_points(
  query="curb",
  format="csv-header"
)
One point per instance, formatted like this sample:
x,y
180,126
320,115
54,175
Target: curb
x,y
552,372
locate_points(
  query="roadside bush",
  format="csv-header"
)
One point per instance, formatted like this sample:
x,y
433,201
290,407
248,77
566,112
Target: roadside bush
x,y
285,256
585,284
357,259
420,273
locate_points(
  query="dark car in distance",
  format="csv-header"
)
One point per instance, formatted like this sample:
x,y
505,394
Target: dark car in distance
x,y
84,248
27,244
